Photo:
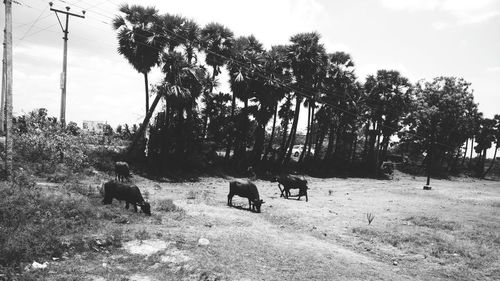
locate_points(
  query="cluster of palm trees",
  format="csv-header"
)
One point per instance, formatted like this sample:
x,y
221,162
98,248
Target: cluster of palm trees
x,y
347,121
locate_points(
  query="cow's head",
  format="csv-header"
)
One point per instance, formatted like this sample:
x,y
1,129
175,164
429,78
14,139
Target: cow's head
x,y
257,204
146,208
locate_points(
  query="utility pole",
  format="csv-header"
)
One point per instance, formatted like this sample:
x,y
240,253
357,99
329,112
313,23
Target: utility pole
x,y
8,88
4,78
65,58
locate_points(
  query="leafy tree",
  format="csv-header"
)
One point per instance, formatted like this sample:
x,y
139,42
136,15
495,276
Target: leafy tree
x,y
441,110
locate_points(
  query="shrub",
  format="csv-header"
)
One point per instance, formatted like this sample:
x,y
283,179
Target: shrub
x,y
33,220
167,205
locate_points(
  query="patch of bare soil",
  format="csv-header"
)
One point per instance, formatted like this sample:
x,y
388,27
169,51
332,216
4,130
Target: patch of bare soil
x,y
448,233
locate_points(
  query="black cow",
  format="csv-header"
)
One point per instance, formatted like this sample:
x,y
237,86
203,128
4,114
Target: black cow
x,y
126,192
122,171
291,182
245,189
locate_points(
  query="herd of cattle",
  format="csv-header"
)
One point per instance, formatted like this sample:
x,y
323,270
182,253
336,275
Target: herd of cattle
x,y
118,189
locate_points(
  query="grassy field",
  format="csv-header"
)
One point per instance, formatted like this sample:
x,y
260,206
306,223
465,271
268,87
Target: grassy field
x,y
451,232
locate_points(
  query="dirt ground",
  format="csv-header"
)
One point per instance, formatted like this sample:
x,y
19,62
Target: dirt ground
x,y
451,232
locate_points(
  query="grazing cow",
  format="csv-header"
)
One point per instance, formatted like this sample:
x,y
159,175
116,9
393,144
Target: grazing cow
x,y
122,171
126,192
245,189
291,182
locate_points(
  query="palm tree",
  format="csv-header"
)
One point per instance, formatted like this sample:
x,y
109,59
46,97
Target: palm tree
x,y
246,83
138,39
190,36
307,57
275,66
217,40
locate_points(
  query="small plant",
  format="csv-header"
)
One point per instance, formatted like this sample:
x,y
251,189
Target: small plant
x,y
167,205
330,192
370,217
142,235
191,194
117,237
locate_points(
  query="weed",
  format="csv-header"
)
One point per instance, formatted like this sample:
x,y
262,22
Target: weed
x,y
192,194
167,205
433,223
117,237
33,221
330,192
142,235
370,217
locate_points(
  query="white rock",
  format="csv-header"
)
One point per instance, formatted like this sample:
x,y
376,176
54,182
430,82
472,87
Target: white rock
x,y
36,265
203,242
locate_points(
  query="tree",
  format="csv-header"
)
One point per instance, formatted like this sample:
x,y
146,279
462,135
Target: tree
x,y
138,39
277,72
389,98
217,40
307,58
441,109
484,138
496,135
246,80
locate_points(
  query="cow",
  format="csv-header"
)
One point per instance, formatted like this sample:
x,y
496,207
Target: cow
x,y
122,171
291,182
127,192
246,189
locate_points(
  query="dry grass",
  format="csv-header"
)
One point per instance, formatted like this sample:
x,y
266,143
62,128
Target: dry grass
x,y
433,223
449,233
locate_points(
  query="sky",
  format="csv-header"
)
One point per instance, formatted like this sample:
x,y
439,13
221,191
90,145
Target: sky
x,y
420,38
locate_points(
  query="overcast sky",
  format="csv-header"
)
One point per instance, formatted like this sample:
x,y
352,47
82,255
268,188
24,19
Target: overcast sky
x,y
420,38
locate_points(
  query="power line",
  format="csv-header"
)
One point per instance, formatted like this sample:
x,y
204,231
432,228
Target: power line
x,y
32,24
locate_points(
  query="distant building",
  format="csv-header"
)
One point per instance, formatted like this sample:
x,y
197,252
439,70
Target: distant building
x,y
93,126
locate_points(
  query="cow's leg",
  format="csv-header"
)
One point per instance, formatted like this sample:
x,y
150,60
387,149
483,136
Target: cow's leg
x,y
135,207
249,204
281,190
126,205
229,200
107,200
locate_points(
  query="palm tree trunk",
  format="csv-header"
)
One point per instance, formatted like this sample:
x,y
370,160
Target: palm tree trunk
x,y
284,139
319,143
144,124
465,152
471,150
147,90
230,137
293,131
331,138
311,133
271,138
205,123
353,150
492,162
306,143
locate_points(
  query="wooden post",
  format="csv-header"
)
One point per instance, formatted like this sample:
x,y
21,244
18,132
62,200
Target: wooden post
x,y
8,88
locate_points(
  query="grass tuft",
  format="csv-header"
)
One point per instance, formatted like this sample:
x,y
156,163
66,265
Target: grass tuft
x,y
433,223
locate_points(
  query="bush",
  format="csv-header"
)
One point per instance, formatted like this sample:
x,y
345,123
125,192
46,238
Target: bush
x,y
33,220
167,205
